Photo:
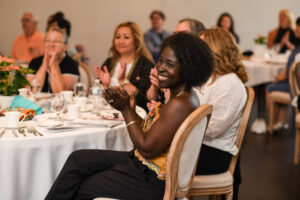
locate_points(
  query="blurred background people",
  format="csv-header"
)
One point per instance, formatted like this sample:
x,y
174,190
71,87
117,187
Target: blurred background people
x,y
130,63
226,21
55,71
281,83
77,52
155,36
283,37
190,25
29,44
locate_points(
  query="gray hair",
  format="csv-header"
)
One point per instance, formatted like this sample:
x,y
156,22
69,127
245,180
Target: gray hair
x,y
196,26
60,31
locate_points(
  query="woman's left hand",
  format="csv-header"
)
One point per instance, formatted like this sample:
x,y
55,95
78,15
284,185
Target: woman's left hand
x,y
117,98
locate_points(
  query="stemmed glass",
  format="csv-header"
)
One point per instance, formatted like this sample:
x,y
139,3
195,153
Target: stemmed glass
x,y
35,87
57,104
80,89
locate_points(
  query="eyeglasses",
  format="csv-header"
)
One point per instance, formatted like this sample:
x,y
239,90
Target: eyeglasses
x,y
53,41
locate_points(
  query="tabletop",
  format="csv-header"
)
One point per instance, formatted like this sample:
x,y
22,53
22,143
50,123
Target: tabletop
x,y
29,165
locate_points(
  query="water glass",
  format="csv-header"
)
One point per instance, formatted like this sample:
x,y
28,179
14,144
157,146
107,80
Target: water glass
x,y
35,87
80,89
57,104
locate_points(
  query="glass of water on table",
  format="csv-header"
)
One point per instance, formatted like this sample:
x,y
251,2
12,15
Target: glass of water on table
x,y
57,104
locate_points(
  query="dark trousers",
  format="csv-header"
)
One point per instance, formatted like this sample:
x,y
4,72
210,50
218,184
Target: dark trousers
x,y
215,161
88,174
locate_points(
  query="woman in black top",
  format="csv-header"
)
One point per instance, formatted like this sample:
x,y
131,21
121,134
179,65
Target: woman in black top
x,y
283,36
130,63
55,70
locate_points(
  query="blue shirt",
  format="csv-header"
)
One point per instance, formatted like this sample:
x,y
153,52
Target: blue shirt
x,y
153,42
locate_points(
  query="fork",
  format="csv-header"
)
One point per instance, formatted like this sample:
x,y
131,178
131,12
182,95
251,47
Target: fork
x,y
31,129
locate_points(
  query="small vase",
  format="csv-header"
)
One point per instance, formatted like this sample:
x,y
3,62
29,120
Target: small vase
x,y
5,101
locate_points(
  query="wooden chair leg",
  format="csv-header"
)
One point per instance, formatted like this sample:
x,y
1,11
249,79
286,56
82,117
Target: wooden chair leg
x,y
229,196
297,146
271,117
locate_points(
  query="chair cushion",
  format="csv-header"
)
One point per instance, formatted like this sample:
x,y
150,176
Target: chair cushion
x,y
212,181
281,97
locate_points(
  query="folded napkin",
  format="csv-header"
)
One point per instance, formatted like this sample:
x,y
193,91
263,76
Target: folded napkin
x,y
29,113
22,102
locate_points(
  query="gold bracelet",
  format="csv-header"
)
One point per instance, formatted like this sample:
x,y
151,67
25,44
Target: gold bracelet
x,y
130,123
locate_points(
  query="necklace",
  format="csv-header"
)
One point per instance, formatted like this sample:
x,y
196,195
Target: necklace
x,y
181,91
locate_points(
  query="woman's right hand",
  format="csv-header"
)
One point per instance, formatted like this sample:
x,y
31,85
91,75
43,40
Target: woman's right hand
x,y
154,77
118,98
103,75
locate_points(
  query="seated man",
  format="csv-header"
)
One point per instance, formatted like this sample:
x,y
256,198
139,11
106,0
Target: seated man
x,y
55,71
30,44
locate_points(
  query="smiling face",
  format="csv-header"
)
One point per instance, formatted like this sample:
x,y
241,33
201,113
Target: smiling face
x,y
54,42
169,70
124,41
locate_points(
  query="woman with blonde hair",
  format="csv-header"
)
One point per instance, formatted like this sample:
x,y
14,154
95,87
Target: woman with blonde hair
x,y
130,63
224,90
283,36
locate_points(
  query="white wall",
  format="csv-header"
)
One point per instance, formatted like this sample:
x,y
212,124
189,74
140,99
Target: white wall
x,y
93,21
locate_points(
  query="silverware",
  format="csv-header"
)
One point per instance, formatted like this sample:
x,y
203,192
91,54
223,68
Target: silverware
x,y
31,129
2,133
22,131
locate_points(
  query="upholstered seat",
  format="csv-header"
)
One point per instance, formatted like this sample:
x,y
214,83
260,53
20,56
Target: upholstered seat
x,y
218,184
211,181
278,97
184,152
281,97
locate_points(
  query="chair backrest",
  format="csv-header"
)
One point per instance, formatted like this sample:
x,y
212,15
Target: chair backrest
x,y
294,79
184,152
85,73
242,127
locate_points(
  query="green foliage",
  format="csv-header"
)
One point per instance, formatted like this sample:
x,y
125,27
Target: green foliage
x,y
12,77
260,40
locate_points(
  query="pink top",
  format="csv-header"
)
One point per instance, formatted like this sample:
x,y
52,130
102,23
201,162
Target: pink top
x,y
25,49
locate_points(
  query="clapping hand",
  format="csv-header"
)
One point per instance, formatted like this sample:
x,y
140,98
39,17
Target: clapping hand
x,y
122,72
118,98
103,75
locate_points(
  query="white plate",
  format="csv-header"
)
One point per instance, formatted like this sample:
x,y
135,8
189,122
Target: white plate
x,y
49,123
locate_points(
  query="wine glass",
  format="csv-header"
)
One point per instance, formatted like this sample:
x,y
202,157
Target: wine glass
x,y
35,88
57,104
80,89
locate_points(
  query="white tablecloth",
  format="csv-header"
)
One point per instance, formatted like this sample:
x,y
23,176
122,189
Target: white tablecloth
x,y
29,165
261,72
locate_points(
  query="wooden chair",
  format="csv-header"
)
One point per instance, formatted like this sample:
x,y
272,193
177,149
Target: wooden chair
x,y
294,87
184,153
219,184
278,97
86,75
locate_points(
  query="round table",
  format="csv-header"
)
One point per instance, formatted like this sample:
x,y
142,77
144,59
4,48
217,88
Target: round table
x,y
29,165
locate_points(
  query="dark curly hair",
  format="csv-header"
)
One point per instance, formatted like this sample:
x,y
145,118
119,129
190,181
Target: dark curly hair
x,y
194,56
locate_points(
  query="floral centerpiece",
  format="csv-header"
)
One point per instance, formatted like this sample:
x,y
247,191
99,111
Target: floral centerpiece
x,y
12,77
260,40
